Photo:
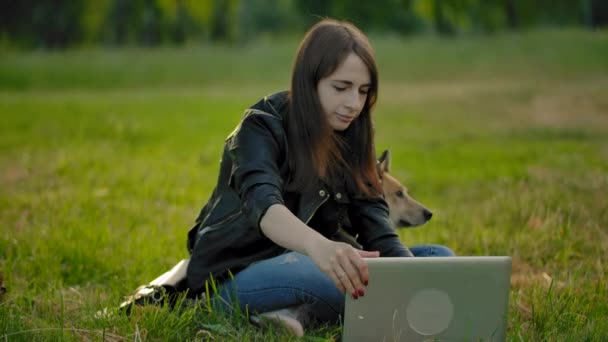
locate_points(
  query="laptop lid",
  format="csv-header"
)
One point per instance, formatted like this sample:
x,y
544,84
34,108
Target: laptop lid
x,y
431,299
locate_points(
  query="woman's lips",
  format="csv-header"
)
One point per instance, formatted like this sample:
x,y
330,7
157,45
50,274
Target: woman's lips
x,y
345,118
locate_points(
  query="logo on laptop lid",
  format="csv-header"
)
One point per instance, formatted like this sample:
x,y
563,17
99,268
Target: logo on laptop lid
x,y
430,312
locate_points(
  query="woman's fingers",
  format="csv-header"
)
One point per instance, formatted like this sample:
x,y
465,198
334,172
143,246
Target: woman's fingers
x,y
334,277
342,282
362,265
344,265
368,254
351,263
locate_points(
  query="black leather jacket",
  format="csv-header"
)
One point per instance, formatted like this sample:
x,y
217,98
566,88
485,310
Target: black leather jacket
x,y
253,175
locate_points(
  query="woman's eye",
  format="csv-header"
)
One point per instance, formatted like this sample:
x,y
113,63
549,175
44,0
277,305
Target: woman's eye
x,y
339,88
363,92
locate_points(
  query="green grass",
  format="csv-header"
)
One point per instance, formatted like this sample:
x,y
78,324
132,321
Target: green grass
x,y
106,156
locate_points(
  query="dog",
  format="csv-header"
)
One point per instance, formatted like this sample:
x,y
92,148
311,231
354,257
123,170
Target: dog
x,y
404,212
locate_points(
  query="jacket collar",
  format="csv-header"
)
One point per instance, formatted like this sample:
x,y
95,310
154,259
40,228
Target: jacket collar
x,y
275,104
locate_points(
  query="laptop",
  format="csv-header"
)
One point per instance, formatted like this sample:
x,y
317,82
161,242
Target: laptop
x,y
431,299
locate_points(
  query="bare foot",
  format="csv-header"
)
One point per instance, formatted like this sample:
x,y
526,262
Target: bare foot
x,y
287,318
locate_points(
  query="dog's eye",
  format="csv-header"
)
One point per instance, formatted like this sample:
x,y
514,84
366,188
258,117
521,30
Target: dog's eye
x,y
400,194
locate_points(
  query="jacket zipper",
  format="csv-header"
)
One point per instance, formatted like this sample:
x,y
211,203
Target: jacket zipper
x,y
220,224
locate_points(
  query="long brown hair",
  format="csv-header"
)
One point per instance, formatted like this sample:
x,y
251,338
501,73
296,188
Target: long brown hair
x,y
316,151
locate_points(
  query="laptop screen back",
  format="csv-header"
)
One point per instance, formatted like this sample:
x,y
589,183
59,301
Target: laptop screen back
x,y
431,299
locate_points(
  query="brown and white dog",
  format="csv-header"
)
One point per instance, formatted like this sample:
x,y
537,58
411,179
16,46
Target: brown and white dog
x,y
404,211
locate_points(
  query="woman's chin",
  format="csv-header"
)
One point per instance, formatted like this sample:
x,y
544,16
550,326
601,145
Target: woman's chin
x,y
340,125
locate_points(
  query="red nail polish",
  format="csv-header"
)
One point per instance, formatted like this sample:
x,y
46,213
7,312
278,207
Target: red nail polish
x,y
354,294
361,292
365,283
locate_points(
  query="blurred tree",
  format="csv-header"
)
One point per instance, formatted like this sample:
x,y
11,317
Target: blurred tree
x,y
598,13
181,24
64,23
380,15
406,19
266,16
48,24
220,21
121,22
441,24
151,31
201,12
93,20
511,14
549,12
313,10
376,15
587,8
56,24
485,16
495,15
15,20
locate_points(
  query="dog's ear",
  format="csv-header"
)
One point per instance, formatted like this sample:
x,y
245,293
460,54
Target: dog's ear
x,y
384,162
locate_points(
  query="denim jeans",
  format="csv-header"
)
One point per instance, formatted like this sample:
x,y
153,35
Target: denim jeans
x,y
292,279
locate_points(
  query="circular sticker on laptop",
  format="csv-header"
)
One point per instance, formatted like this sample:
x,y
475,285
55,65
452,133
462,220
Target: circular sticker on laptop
x,y
430,312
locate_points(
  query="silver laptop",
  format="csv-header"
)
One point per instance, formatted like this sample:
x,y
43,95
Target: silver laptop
x,y
431,299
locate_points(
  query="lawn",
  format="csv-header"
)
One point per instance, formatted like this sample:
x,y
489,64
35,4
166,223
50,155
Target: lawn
x,y
106,157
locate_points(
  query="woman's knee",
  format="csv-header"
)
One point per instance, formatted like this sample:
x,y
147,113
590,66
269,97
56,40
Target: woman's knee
x,y
289,279
432,251
442,251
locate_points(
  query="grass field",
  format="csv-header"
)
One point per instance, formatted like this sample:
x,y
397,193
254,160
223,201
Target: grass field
x,y
106,156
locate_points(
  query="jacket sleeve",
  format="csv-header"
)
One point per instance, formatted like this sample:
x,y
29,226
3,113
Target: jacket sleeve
x,y
376,231
255,148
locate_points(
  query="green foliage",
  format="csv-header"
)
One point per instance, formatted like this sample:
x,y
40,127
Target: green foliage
x,y
43,23
275,17
107,156
141,21
52,24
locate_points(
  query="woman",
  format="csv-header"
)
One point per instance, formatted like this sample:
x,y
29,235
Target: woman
x,y
299,167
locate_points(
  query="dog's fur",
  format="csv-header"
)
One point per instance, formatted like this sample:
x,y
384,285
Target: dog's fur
x,y
404,211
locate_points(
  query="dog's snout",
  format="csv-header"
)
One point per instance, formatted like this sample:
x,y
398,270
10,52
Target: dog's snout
x,y
427,214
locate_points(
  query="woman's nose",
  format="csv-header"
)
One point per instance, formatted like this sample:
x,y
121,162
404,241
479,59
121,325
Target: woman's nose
x,y
354,100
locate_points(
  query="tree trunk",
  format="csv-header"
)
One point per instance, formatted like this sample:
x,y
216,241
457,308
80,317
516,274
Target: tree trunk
x,y
511,14
441,24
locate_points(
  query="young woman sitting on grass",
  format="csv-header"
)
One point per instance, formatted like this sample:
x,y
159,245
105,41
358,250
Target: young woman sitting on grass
x,y
298,167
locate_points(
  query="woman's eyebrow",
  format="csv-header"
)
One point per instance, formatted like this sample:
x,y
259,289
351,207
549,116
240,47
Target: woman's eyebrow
x,y
351,83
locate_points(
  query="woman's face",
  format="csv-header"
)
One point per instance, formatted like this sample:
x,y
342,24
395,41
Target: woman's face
x,y
343,93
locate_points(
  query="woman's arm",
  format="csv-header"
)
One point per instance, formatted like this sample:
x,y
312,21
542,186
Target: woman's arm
x,y
377,232
340,261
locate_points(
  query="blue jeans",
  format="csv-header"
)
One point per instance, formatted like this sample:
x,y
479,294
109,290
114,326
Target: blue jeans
x,y
292,279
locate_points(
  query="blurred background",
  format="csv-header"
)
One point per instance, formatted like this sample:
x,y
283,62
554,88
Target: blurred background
x,y
60,24
113,114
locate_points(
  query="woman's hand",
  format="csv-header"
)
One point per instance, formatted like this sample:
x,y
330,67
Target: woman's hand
x,y
344,265
340,261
